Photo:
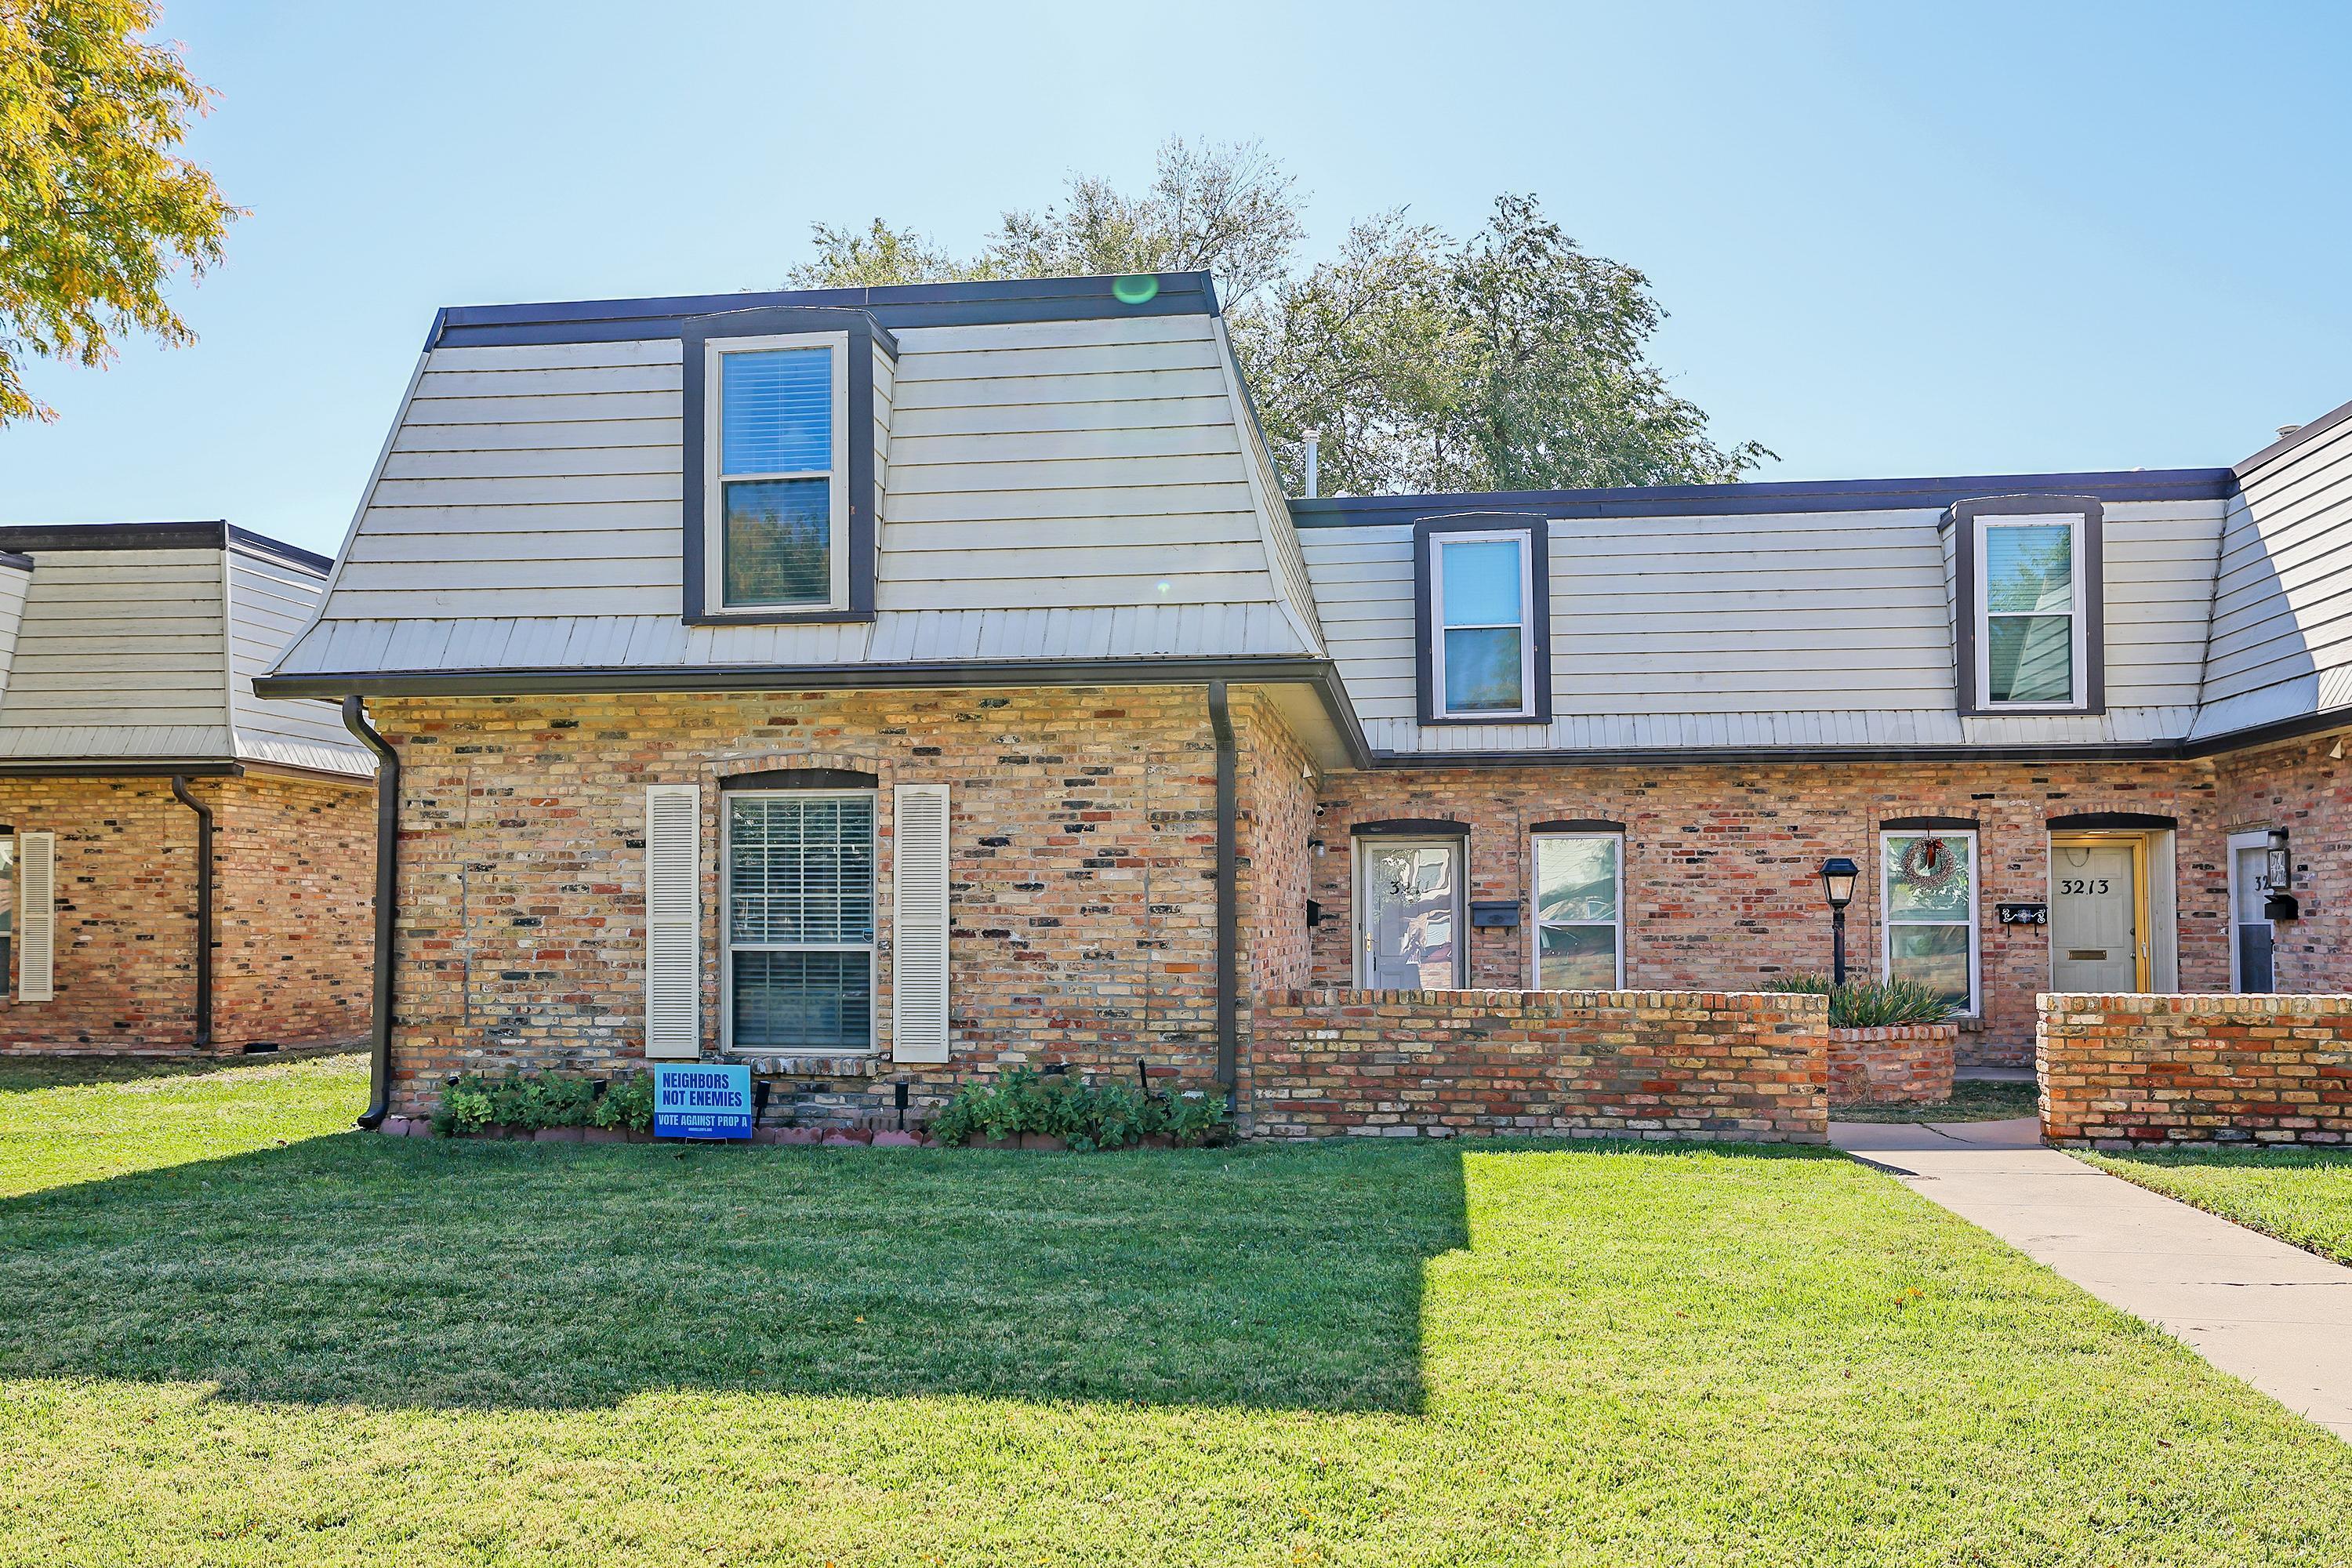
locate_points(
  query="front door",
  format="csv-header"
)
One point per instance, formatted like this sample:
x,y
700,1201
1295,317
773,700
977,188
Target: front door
x,y
2095,935
1410,913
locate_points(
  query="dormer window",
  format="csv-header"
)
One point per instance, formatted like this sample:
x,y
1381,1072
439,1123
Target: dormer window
x,y
1482,610
2027,572
775,467
781,491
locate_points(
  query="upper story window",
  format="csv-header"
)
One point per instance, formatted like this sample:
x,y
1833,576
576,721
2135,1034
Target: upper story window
x,y
781,491
2028,569
774,466
1484,656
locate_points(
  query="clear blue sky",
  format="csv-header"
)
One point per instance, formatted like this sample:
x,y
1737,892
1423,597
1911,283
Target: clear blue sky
x,y
2001,237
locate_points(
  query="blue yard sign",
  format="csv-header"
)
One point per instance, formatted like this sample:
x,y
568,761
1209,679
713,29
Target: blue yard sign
x,y
699,1099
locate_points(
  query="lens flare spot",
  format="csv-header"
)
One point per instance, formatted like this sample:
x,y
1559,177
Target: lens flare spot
x,y
1135,288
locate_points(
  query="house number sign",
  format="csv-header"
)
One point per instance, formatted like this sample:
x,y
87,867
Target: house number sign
x,y
2022,914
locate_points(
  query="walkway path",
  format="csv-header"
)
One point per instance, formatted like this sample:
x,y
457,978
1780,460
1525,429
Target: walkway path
x,y
2273,1314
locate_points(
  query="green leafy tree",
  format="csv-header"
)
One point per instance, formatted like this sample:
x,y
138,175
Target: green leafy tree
x,y
1511,361
96,209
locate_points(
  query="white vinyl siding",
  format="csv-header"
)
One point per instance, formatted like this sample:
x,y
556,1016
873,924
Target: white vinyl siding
x,y
2281,637
673,922
1056,489
1802,630
798,963
919,923
37,917
1927,923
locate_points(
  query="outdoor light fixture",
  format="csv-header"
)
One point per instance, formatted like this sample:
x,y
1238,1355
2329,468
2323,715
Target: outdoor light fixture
x,y
1838,877
2278,872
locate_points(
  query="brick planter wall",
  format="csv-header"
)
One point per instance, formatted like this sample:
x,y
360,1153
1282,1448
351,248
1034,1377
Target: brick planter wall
x,y
1629,1064
2120,1070
1907,1063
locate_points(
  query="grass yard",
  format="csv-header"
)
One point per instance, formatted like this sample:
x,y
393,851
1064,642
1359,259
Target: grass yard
x,y
2300,1195
344,1349
1971,1101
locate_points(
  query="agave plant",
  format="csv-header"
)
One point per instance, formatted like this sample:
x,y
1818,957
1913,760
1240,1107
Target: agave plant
x,y
1870,1003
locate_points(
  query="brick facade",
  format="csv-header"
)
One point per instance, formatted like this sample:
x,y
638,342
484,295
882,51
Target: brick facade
x,y
2120,1070
1577,1063
2298,786
1722,884
294,869
1083,835
1909,1063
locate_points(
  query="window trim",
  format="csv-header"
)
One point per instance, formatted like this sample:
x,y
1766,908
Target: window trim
x,y
1534,536
856,490
2252,838
1535,838
1971,519
871,947
1887,922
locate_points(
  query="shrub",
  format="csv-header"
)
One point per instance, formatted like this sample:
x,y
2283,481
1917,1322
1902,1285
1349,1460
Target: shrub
x,y
1109,1116
1870,1003
628,1103
531,1101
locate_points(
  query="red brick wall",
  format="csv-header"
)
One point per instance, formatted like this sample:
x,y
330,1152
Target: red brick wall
x,y
294,877
2145,1070
1909,1063
1579,1063
1083,833
1722,864
2298,786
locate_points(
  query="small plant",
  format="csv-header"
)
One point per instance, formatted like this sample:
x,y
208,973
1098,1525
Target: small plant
x,y
1196,1118
628,1103
1870,1003
465,1109
530,1102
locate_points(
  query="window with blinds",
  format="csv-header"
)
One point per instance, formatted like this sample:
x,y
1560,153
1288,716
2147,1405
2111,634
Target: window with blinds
x,y
800,919
775,472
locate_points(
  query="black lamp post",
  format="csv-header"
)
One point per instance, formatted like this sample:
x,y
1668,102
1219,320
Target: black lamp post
x,y
1838,877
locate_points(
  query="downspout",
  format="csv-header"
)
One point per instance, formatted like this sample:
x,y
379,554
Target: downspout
x,y
204,908
387,885
1221,725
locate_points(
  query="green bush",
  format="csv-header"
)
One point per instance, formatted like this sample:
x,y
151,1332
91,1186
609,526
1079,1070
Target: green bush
x,y
1870,1003
531,1101
1107,1116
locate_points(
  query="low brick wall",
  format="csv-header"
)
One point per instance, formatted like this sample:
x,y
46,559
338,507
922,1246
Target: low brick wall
x,y
1903,1064
1733,1067
2119,1071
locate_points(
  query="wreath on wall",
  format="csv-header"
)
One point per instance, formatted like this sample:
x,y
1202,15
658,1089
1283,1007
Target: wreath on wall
x,y
1929,863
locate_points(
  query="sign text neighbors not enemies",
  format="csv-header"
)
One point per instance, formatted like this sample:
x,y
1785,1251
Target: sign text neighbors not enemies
x,y
695,1100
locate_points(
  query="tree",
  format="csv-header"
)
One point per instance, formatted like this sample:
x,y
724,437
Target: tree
x,y
96,209
1511,361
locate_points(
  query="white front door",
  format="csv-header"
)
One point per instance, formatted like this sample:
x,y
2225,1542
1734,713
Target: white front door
x,y
2094,918
1410,914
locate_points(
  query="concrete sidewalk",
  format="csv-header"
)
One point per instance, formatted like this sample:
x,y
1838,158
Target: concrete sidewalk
x,y
2273,1314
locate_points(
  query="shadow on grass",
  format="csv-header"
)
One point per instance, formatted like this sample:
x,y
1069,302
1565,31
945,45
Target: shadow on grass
x,y
401,1272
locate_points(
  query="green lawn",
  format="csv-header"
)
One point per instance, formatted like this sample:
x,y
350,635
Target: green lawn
x,y
2300,1195
352,1349
1971,1101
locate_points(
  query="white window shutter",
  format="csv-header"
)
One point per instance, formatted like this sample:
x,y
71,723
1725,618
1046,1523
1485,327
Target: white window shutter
x,y
37,917
919,928
673,922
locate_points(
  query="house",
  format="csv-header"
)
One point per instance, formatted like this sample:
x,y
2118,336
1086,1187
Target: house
x,y
896,684
190,864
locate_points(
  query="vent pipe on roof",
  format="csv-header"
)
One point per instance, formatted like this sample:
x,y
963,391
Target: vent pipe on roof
x,y
2286,430
1314,440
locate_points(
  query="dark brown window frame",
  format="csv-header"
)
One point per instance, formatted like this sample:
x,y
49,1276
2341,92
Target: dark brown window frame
x,y
2090,517
864,335
1539,531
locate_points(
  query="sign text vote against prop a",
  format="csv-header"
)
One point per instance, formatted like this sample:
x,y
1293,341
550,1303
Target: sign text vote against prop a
x,y
695,1100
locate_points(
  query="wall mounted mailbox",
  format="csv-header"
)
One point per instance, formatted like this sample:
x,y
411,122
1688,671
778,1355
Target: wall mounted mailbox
x,y
701,1100
1494,913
